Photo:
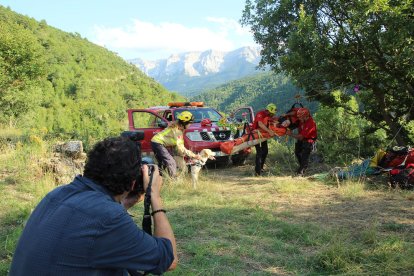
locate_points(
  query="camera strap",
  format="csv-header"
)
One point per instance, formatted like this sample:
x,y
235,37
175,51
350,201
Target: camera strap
x,y
146,221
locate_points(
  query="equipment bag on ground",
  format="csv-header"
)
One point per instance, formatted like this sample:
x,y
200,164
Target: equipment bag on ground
x,y
403,178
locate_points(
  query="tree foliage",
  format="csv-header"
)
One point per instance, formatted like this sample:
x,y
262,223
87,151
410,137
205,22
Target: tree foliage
x,y
256,91
341,137
21,66
61,82
328,45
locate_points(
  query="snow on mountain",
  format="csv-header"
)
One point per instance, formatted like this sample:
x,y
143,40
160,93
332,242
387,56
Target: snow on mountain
x,y
191,72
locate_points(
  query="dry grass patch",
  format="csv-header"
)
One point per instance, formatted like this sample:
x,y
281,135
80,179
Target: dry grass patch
x,y
282,225
238,224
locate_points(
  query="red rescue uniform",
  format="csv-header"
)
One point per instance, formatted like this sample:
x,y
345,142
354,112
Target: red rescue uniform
x,y
303,147
262,116
262,149
308,130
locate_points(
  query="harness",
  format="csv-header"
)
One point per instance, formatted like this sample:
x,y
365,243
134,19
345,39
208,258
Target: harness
x,y
195,162
247,130
198,163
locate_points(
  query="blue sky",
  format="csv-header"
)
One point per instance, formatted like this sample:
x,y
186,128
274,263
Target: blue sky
x,y
148,29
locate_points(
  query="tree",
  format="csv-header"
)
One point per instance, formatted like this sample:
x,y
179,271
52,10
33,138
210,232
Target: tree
x,y
57,80
339,135
327,45
21,66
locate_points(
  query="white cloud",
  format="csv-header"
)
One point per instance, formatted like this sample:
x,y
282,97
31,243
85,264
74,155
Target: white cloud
x,y
145,37
230,25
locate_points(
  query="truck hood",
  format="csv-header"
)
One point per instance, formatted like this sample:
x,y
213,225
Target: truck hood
x,y
198,127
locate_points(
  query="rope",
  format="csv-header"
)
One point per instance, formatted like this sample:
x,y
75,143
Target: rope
x,y
395,136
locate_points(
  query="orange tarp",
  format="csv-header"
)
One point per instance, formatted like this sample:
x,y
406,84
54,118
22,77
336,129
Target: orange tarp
x,y
250,139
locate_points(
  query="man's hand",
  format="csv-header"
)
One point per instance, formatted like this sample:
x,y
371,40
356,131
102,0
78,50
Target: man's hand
x,y
162,227
156,180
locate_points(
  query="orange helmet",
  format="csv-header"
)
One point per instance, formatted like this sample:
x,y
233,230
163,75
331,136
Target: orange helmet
x,y
302,112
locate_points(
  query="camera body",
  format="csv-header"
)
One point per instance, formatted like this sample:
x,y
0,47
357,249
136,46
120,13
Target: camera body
x,y
136,137
139,186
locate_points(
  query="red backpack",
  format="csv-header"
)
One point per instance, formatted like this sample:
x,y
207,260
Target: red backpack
x,y
403,178
396,157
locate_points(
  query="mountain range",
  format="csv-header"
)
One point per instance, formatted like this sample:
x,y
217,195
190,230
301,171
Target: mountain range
x,y
192,73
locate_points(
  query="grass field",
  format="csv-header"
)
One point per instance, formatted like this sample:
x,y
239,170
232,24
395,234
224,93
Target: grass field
x,y
237,224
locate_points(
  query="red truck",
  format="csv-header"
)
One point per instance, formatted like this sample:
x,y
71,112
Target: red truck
x,y
198,136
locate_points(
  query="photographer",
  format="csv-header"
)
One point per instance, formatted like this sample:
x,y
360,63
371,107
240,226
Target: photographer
x,y
83,228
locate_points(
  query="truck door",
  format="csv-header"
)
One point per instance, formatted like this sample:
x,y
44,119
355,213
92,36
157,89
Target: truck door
x,y
148,122
244,114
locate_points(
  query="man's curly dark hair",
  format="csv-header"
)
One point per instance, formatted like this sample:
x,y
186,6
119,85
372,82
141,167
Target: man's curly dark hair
x,y
113,163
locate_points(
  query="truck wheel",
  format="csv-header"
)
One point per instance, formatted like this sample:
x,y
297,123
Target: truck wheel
x,y
220,162
239,160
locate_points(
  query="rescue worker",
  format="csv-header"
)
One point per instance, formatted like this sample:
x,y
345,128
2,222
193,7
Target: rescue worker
x,y
289,119
261,123
306,139
172,136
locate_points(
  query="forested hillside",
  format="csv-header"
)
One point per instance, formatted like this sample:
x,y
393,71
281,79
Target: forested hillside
x,y
63,84
256,91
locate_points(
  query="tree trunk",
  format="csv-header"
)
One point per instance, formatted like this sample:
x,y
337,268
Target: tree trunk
x,y
395,128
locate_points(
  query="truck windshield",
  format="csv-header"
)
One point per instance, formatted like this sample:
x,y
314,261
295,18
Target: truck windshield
x,y
201,113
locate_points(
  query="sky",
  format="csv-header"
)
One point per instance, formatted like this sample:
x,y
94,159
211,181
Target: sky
x,y
146,29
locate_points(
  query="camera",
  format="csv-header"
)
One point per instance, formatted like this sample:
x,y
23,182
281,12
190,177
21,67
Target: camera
x,y
136,137
139,186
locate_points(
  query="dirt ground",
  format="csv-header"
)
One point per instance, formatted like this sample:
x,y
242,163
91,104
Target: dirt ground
x,y
325,204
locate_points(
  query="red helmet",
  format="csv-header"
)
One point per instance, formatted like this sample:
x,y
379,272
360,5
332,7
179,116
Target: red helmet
x,y
206,122
302,112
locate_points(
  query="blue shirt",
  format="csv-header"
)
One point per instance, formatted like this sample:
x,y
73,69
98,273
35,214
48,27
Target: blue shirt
x,y
78,229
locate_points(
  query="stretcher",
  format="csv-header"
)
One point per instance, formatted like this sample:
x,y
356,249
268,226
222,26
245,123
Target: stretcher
x,y
250,139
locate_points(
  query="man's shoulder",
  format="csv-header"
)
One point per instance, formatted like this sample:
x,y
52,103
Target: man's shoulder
x,y
98,205
261,113
91,202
